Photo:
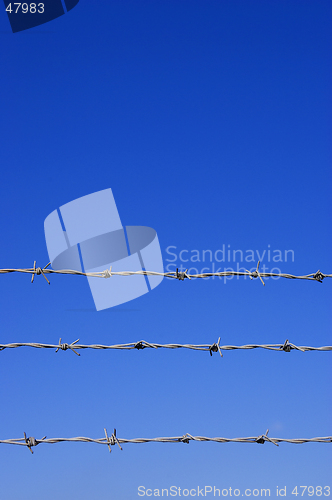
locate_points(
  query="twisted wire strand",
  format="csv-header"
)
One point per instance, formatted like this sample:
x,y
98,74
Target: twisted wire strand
x,y
186,438
179,275
142,344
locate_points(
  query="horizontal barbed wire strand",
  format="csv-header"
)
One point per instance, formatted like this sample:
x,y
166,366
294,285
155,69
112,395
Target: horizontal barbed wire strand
x,y
181,276
30,442
142,344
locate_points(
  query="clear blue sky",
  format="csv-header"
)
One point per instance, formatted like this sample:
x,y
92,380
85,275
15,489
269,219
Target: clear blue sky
x,y
211,122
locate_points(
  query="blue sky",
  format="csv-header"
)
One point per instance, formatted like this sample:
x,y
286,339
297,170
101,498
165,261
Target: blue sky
x,y
211,123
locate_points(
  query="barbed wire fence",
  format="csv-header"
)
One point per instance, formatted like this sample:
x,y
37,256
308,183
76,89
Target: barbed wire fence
x,y
179,275
110,441
31,442
142,344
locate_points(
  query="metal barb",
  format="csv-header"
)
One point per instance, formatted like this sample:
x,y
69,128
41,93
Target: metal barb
x,y
33,274
256,273
319,276
286,347
39,271
109,441
66,346
264,437
30,441
139,345
108,272
182,275
116,439
215,348
185,438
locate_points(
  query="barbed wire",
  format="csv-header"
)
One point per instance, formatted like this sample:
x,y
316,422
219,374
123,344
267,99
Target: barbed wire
x,y
179,275
30,442
142,344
